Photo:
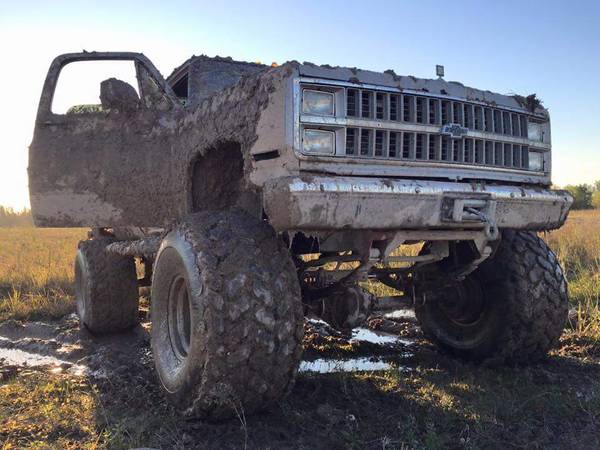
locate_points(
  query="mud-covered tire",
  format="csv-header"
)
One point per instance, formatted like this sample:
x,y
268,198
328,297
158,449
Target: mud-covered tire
x,y
240,349
106,289
522,303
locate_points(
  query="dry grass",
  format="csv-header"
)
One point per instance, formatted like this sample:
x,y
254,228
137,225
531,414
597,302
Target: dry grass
x,y
577,245
36,271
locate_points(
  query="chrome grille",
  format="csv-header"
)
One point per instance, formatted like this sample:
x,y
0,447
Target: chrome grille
x,y
412,146
366,104
426,146
416,109
352,102
351,135
393,132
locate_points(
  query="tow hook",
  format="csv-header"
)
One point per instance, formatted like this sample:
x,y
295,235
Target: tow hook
x,y
465,208
490,229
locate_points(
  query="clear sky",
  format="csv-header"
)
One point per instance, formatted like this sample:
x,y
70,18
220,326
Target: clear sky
x,y
550,48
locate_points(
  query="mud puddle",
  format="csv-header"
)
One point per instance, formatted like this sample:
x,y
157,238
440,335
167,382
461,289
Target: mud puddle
x,y
402,314
368,348
379,337
17,357
62,347
362,364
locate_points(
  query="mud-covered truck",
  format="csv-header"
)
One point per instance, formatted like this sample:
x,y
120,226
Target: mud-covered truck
x,y
251,195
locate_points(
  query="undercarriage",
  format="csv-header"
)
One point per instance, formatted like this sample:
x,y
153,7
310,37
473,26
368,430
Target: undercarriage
x,y
335,283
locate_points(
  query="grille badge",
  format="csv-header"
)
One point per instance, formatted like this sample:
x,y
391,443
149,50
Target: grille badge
x,y
454,130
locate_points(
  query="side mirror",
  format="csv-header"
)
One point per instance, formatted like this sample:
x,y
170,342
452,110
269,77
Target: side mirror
x,y
119,95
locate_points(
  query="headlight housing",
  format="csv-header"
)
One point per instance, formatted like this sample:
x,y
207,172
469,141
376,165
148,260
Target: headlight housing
x,y
536,161
319,142
318,102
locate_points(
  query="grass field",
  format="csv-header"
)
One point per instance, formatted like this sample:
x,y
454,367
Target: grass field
x,y
36,272
577,245
433,402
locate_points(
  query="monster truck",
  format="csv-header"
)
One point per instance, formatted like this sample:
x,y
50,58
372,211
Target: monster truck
x,y
252,194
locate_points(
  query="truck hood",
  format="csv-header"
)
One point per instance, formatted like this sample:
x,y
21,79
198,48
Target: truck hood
x,y
438,87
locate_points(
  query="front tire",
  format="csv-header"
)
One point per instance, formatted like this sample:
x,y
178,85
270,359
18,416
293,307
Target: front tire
x,y
227,319
512,309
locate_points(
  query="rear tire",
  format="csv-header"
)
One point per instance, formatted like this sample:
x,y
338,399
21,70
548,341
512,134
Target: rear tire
x,y
106,288
512,309
227,319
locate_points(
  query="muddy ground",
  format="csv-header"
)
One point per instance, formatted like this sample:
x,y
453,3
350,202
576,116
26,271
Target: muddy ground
x,y
381,386
64,347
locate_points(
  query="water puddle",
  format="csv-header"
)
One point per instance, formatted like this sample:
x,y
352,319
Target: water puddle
x,y
344,365
33,352
317,321
16,357
366,335
405,314
378,337
361,363
21,358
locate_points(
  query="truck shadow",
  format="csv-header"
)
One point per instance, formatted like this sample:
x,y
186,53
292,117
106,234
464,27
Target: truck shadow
x,y
423,399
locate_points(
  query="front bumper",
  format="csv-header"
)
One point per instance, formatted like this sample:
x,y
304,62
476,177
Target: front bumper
x,y
314,203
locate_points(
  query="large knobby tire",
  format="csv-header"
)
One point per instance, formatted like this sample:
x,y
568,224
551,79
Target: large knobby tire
x,y
227,319
106,288
512,309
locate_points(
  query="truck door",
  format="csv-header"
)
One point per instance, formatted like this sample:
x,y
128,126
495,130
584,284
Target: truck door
x,y
112,164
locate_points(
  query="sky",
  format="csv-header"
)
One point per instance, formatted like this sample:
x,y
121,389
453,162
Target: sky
x,y
550,48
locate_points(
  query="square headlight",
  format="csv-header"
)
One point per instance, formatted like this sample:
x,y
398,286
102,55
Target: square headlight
x,y
318,142
318,102
536,161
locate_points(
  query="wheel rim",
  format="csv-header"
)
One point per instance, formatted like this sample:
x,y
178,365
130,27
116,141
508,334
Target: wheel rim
x,y
179,318
466,305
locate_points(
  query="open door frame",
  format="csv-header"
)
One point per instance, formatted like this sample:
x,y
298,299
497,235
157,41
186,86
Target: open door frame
x,y
108,168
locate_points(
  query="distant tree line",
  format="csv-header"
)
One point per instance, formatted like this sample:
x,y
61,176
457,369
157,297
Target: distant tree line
x,y
586,196
11,218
